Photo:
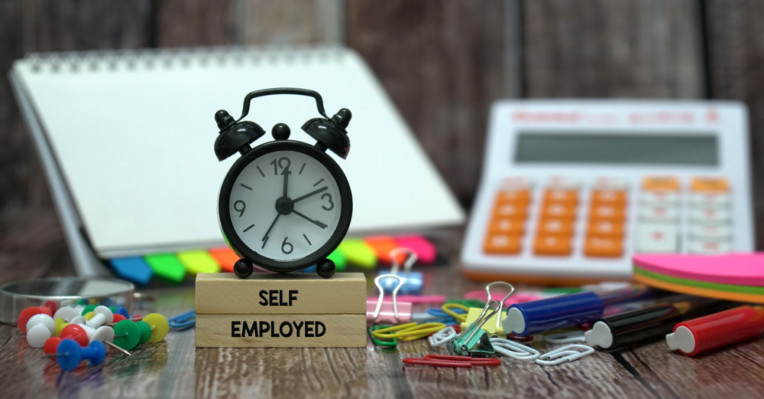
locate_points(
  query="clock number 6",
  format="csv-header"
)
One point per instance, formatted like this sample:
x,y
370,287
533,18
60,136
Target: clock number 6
x,y
328,197
283,163
240,206
287,247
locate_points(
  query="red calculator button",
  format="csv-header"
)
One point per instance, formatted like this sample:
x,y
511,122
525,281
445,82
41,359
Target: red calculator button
x,y
562,227
604,228
558,210
507,226
552,245
502,244
569,197
603,247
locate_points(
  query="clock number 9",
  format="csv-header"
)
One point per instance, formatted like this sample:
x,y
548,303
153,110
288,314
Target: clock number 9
x,y
239,206
287,247
328,197
283,162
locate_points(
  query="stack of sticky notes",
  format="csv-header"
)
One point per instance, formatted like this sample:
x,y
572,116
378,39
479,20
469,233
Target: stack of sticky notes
x,y
734,277
277,310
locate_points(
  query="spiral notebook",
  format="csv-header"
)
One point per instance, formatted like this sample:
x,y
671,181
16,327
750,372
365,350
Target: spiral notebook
x,y
126,139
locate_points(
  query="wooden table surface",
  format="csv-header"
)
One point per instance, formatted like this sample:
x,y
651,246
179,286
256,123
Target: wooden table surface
x,y
175,368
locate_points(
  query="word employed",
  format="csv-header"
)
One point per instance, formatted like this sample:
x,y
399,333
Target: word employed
x,y
307,329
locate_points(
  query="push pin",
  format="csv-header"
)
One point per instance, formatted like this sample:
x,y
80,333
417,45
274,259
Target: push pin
x,y
152,329
69,354
67,313
101,315
39,328
27,314
51,345
76,333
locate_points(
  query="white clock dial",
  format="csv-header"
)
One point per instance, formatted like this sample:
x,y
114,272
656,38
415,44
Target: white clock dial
x,y
285,205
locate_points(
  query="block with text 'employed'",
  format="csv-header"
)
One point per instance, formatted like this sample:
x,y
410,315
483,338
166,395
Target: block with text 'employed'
x,y
224,293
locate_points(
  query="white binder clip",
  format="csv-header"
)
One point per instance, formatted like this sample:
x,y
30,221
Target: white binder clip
x,y
567,353
443,336
514,349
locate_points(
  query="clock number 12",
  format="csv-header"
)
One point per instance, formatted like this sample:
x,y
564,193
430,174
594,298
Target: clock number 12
x,y
282,163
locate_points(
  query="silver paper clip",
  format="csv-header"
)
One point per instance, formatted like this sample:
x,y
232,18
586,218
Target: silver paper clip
x,y
443,336
514,349
567,353
565,337
396,316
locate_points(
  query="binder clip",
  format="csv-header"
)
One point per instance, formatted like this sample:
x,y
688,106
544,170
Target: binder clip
x,y
492,326
474,340
383,311
413,281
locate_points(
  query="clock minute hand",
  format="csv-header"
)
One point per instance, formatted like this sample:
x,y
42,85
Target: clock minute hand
x,y
316,222
265,237
324,188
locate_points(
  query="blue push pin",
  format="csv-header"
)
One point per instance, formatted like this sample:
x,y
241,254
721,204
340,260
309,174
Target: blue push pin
x,y
69,354
412,281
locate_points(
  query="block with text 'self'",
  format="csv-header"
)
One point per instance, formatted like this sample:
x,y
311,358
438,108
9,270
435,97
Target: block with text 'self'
x,y
275,310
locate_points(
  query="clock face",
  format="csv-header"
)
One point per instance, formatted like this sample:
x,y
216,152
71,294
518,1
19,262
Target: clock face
x,y
286,206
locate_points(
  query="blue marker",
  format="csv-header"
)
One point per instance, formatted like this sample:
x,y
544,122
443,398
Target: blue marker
x,y
566,310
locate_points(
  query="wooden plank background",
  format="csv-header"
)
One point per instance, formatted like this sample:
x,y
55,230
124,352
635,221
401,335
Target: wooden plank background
x,y
442,62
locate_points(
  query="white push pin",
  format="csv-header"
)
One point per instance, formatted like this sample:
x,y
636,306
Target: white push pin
x,y
78,320
67,313
102,316
40,327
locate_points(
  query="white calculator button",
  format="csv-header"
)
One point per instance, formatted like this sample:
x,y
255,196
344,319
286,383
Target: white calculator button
x,y
566,182
610,183
710,231
709,215
516,183
666,214
657,238
658,198
708,247
709,199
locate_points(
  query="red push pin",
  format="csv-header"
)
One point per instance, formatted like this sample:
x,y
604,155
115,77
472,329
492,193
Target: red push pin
x,y
51,345
76,333
27,314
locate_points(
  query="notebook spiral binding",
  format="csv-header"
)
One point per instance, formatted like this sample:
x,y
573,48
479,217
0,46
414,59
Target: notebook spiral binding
x,y
141,59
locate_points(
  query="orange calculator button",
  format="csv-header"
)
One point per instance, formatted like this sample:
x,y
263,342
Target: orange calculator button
x,y
502,244
558,210
609,197
562,227
604,228
510,210
552,245
565,196
607,212
709,185
520,197
660,183
510,226
603,247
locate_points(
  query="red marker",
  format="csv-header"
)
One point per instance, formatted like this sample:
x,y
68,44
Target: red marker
x,y
717,330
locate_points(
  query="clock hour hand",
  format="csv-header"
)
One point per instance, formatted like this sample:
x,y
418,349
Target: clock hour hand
x,y
312,193
316,222
286,174
265,237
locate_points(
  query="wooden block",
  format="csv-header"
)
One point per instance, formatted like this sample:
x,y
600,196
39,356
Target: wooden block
x,y
279,330
297,293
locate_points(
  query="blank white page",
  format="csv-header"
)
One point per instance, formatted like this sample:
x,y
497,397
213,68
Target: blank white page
x,y
133,134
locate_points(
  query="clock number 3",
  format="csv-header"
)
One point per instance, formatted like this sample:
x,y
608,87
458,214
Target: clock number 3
x,y
287,247
330,204
240,206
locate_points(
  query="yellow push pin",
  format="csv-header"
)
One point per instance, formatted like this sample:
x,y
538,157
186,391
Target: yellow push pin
x,y
89,315
60,324
159,327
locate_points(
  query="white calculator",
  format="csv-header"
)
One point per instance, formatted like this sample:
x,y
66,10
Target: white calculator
x,y
572,189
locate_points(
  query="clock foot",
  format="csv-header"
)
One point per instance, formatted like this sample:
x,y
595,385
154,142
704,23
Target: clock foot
x,y
242,268
325,268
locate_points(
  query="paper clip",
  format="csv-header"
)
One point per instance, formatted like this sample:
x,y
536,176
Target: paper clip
x,y
443,336
567,353
183,320
451,361
450,309
565,337
388,343
413,281
473,339
382,311
409,331
514,349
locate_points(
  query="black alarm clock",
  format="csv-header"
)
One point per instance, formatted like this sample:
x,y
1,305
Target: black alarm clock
x,y
285,205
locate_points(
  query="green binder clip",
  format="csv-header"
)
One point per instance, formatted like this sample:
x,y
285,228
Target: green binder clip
x,y
474,341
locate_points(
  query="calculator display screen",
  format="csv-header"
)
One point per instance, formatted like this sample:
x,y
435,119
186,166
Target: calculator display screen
x,y
616,148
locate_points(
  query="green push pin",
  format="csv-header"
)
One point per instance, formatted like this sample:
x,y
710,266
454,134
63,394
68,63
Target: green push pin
x,y
88,309
127,334
145,330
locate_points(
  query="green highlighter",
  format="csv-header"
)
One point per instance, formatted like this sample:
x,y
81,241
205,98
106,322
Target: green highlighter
x,y
167,266
358,253
199,262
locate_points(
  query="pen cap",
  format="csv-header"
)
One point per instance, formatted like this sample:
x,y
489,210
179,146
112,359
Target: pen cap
x,y
718,330
553,313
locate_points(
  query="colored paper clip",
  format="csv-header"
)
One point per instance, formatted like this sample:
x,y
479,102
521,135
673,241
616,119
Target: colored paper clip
x,y
413,281
473,339
382,311
409,331
389,343
441,316
451,308
514,349
565,337
183,320
567,353
451,361
443,336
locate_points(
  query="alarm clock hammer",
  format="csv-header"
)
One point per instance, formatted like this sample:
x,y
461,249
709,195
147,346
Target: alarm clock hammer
x,y
284,205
